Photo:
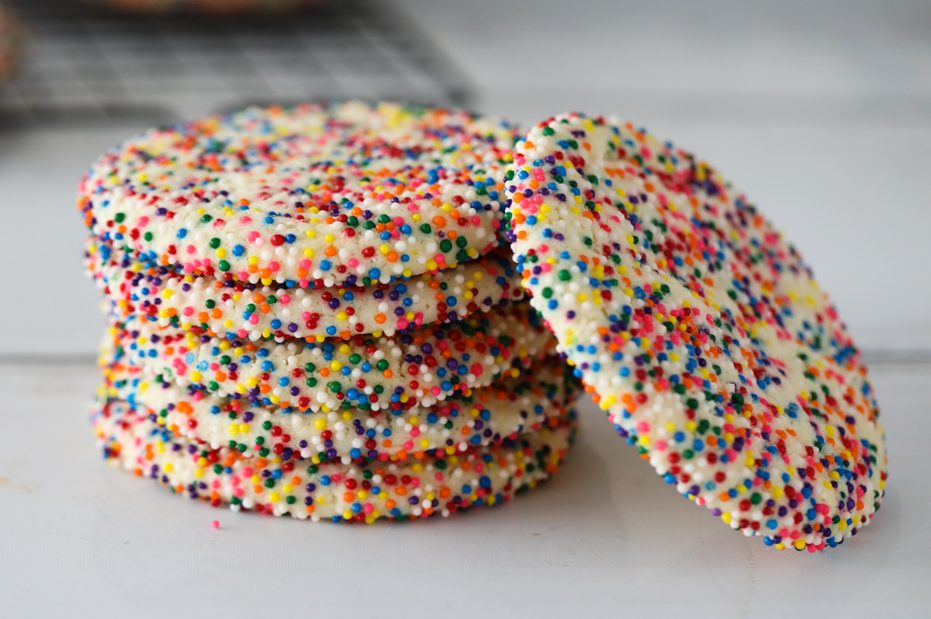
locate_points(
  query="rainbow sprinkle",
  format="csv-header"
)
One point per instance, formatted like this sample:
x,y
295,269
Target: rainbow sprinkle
x,y
312,313
698,330
308,196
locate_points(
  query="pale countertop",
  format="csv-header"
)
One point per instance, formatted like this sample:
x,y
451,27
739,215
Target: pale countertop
x,y
820,111
605,538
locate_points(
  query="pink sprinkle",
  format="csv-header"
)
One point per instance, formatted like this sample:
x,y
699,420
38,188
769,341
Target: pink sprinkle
x,y
215,525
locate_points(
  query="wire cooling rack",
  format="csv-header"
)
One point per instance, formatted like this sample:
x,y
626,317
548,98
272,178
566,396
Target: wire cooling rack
x,y
82,62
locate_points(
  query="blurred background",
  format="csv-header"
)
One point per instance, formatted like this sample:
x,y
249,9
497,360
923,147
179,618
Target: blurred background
x,y
820,111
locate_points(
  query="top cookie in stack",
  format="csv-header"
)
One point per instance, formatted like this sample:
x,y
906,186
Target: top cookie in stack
x,y
321,289
307,197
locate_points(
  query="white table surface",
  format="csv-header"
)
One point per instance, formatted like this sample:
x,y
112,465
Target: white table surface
x,y
605,538
820,111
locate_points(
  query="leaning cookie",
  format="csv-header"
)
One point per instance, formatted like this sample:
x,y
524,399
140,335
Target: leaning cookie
x,y
314,195
249,311
699,330
370,373
515,404
337,492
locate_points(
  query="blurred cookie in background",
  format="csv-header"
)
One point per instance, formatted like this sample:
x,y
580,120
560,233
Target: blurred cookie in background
x,y
216,7
10,40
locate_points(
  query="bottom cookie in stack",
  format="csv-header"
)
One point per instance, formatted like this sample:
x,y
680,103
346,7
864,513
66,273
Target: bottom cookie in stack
x,y
474,455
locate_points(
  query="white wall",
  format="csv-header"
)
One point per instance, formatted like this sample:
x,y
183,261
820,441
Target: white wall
x,y
820,111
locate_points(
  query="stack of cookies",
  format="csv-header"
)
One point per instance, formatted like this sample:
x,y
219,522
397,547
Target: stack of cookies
x,y
311,313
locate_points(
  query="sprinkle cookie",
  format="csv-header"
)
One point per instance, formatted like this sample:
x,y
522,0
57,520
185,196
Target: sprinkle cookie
x,y
699,330
355,493
247,311
369,373
314,195
480,417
